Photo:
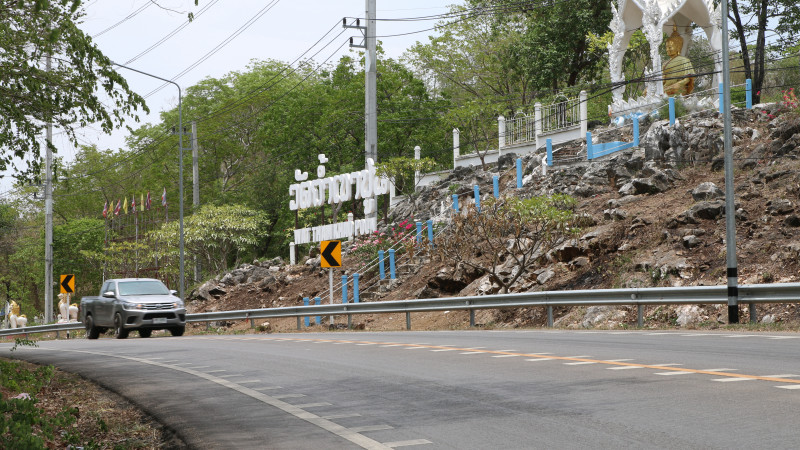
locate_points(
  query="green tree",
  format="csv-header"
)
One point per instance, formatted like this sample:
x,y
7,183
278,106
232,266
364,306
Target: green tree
x,y
68,95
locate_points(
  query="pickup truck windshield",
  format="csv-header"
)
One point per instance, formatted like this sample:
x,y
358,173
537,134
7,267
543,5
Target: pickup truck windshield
x,y
142,288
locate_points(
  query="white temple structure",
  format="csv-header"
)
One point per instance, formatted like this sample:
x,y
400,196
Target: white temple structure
x,y
655,18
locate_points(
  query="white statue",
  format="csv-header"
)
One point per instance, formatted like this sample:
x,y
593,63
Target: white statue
x,y
63,307
73,312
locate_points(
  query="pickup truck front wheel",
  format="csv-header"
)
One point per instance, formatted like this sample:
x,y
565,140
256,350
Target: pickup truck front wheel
x,y
119,331
92,332
177,331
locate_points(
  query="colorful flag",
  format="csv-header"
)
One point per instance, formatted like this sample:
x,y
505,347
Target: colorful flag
x,y
147,202
133,204
125,205
119,206
141,202
164,198
105,210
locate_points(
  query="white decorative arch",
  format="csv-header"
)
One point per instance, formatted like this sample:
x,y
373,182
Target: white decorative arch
x,y
655,18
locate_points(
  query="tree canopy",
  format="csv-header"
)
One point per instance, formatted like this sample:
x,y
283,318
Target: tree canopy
x,y
79,87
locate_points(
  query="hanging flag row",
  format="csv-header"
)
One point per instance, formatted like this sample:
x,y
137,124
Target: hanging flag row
x,y
122,205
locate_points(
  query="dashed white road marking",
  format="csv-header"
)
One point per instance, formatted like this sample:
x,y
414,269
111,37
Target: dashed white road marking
x,y
726,380
503,356
283,396
313,405
248,381
371,428
366,344
407,443
624,368
667,374
215,371
783,375
413,348
267,388
540,359
666,365
782,337
341,416
444,350
740,335
471,353
580,363
228,376
619,360
793,386
393,345
722,369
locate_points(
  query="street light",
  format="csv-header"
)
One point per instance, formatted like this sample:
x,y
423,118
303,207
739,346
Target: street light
x,y
180,170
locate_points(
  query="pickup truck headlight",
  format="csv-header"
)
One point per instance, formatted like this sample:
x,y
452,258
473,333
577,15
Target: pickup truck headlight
x,y
177,305
128,305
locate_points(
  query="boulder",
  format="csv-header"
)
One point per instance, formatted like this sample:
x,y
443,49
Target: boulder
x,y
792,221
689,315
779,207
709,210
706,191
691,241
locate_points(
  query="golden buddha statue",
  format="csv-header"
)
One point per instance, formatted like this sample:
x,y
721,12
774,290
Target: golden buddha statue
x,y
678,70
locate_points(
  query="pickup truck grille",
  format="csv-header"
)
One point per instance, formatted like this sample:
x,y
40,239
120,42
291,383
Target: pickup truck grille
x,y
157,306
166,315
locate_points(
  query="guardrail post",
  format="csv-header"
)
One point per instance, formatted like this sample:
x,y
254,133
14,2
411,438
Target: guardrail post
x,y
496,186
306,300
640,316
408,320
355,288
748,93
429,223
672,111
477,198
419,232
455,202
721,100
549,316
636,131
381,268
298,323
392,273
344,298
519,173
317,301
549,143
589,152
472,318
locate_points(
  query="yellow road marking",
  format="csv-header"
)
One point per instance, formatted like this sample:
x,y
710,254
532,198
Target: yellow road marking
x,y
560,358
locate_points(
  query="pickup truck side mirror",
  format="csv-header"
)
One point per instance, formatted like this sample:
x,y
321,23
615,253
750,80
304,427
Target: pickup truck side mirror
x,y
173,292
108,294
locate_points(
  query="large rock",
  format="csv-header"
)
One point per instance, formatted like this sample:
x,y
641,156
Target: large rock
x,y
706,191
689,315
779,207
207,291
712,210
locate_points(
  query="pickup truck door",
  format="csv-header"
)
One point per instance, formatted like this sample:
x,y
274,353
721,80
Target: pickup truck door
x,y
104,306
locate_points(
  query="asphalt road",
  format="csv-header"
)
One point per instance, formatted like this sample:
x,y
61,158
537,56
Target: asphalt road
x,y
455,390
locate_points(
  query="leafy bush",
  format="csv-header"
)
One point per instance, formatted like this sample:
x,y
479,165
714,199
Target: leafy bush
x,y
400,236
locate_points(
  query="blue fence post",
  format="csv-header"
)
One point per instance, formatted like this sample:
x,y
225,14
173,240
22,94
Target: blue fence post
x,y
305,303
356,295
589,152
381,267
344,288
455,202
430,231
672,111
636,131
748,93
519,173
496,186
391,264
549,151
419,232
721,100
477,198
317,301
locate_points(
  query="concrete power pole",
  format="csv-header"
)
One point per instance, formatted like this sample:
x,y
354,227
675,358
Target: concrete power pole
x,y
48,226
730,208
195,188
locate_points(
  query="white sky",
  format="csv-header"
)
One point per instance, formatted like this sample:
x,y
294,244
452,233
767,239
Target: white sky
x,y
284,32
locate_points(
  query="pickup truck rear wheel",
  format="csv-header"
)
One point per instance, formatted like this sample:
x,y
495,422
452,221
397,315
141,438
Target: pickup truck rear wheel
x,y
92,332
145,332
177,331
119,331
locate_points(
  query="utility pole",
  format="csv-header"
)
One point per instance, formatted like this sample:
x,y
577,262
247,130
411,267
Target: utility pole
x,y
195,188
370,84
730,204
48,218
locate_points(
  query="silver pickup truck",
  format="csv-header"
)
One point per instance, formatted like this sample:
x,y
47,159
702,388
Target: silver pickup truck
x,y
126,304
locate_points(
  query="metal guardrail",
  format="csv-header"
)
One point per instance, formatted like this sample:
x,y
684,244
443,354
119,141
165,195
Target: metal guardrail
x,y
640,297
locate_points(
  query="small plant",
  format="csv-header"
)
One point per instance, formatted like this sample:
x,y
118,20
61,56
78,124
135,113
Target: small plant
x,y
767,277
23,342
454,188
789,103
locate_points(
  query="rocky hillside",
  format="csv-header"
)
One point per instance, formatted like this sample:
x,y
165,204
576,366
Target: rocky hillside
x,y
657,219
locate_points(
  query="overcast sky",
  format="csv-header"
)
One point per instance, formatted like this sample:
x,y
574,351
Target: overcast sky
x,y
269,29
